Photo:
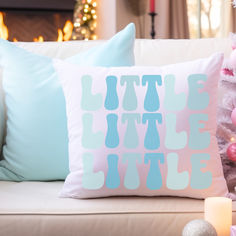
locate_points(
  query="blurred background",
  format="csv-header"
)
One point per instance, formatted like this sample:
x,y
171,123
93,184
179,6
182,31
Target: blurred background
x,y
63,20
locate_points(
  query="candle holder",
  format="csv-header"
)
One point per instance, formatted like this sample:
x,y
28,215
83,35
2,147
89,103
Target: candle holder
x,y
153,33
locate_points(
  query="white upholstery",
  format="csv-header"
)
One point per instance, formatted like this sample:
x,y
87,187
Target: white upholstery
x,y
147,52
33,208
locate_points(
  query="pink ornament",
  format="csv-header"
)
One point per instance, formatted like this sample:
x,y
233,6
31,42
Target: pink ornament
x,y
233,116
231,152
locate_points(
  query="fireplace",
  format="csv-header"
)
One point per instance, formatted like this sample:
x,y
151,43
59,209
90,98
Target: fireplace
x,y
31,20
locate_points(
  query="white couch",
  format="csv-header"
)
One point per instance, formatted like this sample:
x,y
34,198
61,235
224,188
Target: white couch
x,y
33,208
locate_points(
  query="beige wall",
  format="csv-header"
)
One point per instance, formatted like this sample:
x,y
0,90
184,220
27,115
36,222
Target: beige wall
x,y
114,16
106,18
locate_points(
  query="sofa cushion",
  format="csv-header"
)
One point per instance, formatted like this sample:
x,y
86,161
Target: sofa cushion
x,y
33,208
41,198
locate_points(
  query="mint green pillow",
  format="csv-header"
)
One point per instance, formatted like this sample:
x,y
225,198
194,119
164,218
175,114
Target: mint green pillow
x,y
37,141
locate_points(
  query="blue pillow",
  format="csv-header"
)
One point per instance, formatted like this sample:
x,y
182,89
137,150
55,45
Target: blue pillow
x,y
37,141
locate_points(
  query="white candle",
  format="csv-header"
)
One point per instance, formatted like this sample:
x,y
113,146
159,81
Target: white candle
x,y
218,211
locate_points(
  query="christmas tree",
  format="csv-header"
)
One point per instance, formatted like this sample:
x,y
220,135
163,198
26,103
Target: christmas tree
x,y
226,129
85,20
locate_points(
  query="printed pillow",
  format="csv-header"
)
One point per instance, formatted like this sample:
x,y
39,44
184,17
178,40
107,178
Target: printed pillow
x,y
37,141
143,130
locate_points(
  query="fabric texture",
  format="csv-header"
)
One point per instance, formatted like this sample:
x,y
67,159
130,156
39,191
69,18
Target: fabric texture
x,y
37,141
143,130
118,51
34,208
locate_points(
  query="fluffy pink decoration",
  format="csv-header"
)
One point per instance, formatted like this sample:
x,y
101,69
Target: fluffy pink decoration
x,y
228,71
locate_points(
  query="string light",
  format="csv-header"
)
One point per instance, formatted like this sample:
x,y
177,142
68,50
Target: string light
x,y
94,36
85,20
76,24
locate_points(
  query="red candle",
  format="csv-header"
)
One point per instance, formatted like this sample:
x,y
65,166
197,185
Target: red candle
x,y
152,6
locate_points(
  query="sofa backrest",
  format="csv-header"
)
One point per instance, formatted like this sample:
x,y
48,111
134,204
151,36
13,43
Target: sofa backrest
x,y
147,52
171,51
